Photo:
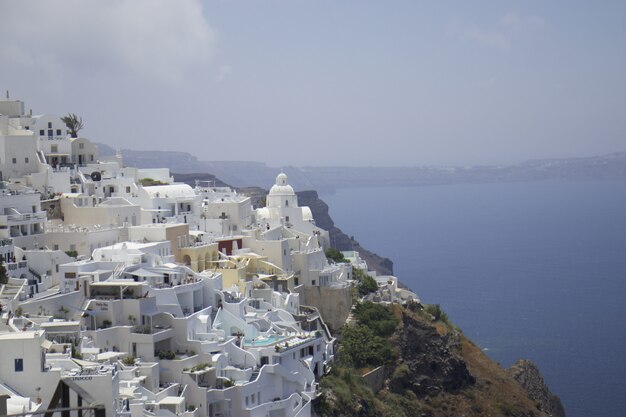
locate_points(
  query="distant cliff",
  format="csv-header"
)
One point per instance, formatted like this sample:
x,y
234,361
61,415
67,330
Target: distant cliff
x,y
327,179
341,241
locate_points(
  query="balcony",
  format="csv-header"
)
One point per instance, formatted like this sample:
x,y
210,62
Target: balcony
x,y
39,216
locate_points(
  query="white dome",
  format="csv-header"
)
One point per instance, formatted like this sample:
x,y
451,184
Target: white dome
x,y
281,179
281,187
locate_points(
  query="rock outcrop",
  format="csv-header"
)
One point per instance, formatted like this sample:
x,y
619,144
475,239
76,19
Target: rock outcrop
x,y
528,376
429,362
436,372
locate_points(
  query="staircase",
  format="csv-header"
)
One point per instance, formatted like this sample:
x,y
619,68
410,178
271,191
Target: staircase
x,y
255,374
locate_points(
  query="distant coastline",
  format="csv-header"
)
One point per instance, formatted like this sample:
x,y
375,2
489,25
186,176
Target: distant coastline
x,y
327,179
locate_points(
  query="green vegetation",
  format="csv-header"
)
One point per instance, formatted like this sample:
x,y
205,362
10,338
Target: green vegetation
x,y
365,283
350,394
360,347
437,313
335,255
367,343
71,253
166,354
19,312
148,182
4,278
74,124
75,353
129,361
200,367
377,317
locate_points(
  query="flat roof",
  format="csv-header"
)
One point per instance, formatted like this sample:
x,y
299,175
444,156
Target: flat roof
x,y
117,283
172,400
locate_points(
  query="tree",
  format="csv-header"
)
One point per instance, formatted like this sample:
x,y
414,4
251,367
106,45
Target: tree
x,y
361,347
3,273
74,123
335,255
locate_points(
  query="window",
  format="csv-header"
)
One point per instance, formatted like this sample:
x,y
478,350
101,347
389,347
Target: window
x,y
26,160
91,159
50,133
81,146
312,282
49,125
14,160
54,148
286,203
128,189
27,127
19,365
58,132
42,132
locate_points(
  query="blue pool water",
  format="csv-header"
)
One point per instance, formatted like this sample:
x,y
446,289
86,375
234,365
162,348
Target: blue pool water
x,y
265,341
527,270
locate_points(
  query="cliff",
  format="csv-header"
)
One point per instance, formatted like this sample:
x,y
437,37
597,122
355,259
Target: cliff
x,y
241,174
434,371
429,368
528,376
341,241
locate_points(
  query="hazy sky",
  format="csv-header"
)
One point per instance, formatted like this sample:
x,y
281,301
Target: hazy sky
x,y
327,82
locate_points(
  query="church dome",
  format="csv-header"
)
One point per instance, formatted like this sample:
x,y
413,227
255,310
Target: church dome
x,y
282,187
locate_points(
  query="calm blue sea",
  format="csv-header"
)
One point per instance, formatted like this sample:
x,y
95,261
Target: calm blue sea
x,y
527,270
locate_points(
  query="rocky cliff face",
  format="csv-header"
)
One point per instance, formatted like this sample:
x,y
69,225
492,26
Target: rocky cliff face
x,y
341,241
528,376
431,359
438,373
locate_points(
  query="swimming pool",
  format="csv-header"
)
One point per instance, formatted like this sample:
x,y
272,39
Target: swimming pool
x,y
265,340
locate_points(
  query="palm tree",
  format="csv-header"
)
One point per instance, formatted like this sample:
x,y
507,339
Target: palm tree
x,y
73,123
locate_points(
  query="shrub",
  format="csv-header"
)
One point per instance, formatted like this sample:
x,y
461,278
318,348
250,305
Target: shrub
x,y
438,314
360,347
377,317
129,360
335,255
365,283
400,379
147,182
166,354
71,253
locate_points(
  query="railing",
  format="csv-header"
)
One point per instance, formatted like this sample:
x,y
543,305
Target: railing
x,y
41,215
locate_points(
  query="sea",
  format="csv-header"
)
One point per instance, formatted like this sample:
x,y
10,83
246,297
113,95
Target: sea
x,y
532,270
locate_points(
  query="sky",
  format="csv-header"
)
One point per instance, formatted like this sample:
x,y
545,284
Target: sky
x,y
322,83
